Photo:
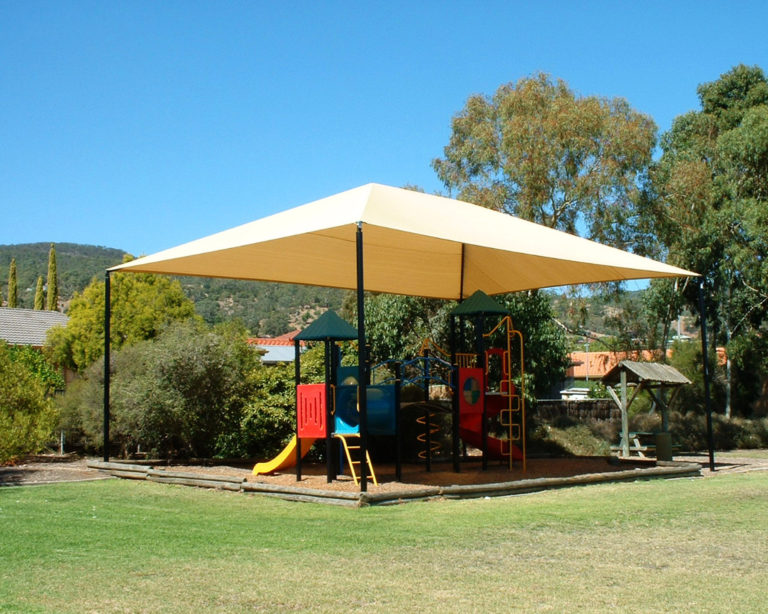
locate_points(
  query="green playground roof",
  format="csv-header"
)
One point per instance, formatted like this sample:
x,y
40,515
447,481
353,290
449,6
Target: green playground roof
x,y
478,303
328,326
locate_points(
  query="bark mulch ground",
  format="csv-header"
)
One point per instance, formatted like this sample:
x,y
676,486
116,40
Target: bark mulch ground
x,y
48,469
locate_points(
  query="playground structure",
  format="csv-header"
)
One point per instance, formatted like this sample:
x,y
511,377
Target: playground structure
x,y
481,388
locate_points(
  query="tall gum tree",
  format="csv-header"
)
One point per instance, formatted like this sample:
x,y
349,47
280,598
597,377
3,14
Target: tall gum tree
x,y
538,150
708,212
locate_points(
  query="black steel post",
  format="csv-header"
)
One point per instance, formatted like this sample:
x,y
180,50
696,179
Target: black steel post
x,y
297,381
398,428
330,468
454,400
427,429
107,366
705,359
362,361
480,351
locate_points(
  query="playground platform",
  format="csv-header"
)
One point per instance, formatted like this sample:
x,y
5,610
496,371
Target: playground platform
x,y
417,484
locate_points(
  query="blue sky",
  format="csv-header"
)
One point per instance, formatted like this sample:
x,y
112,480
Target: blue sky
x,y
141,125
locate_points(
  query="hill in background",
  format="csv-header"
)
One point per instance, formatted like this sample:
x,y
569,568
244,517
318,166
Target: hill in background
x,y
264,308
77,265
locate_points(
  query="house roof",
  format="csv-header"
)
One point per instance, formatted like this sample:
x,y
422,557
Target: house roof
x,y
28,326
595,365
285,340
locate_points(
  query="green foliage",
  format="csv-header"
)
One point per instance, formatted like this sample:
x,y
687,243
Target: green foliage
x,y
269,418
13,289
77,266
39,366
267,309
39,294
182,394
689,430
397,325
191,391
142,306
27,416
537,150
52,298
545,348
707,211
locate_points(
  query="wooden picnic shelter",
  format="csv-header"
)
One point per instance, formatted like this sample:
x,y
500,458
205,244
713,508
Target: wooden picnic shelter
x,y
656,379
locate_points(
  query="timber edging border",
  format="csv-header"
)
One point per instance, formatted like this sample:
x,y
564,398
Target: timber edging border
x,y
662,470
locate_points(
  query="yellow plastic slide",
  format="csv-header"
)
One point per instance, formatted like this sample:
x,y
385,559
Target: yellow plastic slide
x,y
286,458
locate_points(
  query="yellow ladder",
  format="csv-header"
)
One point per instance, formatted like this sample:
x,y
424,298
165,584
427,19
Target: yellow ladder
x,y
353,463
516,402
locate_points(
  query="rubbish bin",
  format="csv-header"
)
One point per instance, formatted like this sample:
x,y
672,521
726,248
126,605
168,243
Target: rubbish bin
x,y
663,447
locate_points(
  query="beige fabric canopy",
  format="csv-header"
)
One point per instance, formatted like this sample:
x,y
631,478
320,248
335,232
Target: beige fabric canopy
x,y
414,243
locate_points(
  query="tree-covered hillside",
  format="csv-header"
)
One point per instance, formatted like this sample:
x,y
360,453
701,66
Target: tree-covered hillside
x,y
77,266
264,308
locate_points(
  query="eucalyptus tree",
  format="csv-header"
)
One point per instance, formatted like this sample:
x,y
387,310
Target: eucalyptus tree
x,y
707,211
538,150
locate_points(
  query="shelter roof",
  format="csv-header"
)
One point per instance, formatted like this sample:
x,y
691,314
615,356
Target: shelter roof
x,y
651,372
328,326
414,244
28,326
478,303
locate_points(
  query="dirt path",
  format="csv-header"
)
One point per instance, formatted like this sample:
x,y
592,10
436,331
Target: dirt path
x,y
48,470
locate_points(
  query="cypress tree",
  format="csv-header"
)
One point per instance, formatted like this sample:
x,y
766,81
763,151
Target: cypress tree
x,y
13,291
39,294
53,281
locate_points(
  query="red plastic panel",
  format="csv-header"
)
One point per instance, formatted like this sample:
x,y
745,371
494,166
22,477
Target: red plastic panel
x,y
310,403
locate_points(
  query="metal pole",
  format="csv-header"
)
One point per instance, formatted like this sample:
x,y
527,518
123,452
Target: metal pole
x,y
480,351
297,381
330,468
454,400
107,334
362,361
705,360
427,428
398,428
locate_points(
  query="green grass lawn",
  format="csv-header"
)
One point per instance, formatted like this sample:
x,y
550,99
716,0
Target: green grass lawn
x,y
761,454
690,545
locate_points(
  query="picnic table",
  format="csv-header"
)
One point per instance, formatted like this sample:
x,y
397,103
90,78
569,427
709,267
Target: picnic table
x,y
640,442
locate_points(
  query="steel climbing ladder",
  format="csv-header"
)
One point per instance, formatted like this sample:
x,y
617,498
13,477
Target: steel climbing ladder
x,y
357,461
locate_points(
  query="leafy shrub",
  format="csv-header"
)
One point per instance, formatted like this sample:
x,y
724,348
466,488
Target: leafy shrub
x,y
39,366
27,415
190,392
180,395
690,431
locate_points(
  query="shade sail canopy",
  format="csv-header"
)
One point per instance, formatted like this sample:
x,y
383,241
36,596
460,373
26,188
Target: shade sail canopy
x,y
414,243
